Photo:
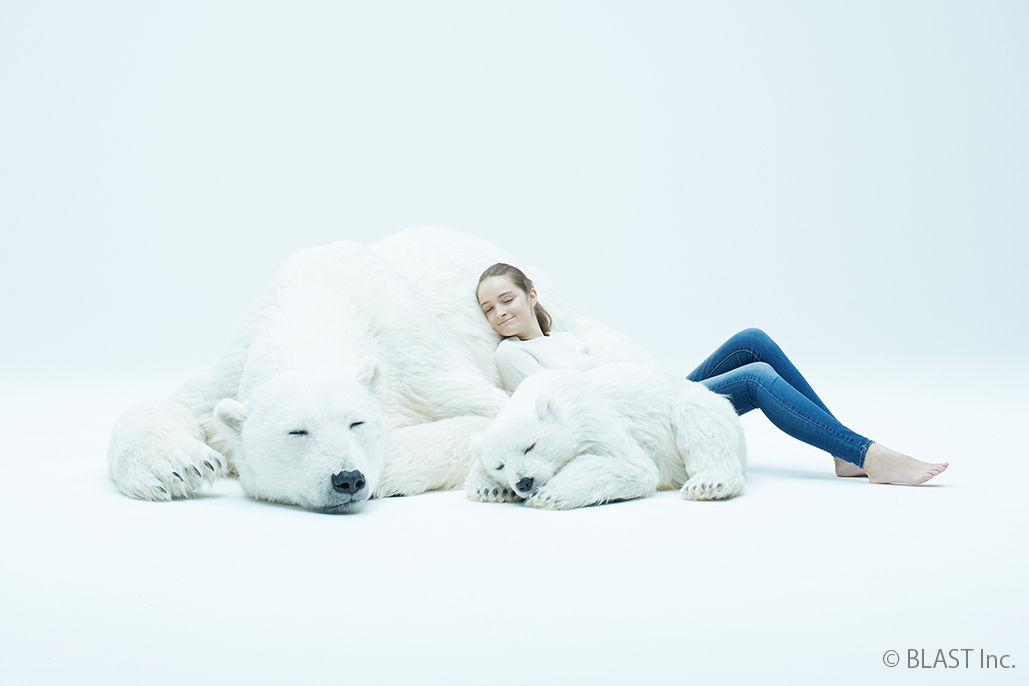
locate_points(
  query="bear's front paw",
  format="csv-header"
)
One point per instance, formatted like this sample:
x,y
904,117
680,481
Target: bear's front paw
x,y
543,500
178,473
481,488
495,494
157,453
712,486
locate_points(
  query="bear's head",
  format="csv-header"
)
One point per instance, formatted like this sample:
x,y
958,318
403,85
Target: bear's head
x,y
535,435
310,438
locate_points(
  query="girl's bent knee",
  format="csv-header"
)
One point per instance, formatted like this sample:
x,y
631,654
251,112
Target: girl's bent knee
x,y
761,372
756,335
759,342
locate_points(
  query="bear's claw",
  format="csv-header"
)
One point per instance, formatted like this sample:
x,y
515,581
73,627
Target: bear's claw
x,y
495,495
482,488
171,476
158,452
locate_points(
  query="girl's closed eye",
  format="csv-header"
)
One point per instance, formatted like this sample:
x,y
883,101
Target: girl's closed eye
x,y
512,299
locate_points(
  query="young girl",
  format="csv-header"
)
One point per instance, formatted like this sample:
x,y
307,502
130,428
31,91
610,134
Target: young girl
x,y
749,368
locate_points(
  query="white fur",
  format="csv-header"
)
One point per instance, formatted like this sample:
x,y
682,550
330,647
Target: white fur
x,y
299,428
390,334
570,439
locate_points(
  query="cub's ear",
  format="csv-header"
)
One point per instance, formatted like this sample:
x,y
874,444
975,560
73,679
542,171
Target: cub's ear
x,y
547,408
370,374
229,416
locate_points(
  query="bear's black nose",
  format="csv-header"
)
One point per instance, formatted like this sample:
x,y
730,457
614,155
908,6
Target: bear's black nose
x,y
524,484
348,482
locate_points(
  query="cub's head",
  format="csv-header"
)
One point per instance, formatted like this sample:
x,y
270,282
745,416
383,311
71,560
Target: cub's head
x,y
534,436
310,438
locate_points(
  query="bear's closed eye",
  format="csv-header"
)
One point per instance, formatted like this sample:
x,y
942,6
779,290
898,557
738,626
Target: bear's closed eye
x,y
298,432
529,448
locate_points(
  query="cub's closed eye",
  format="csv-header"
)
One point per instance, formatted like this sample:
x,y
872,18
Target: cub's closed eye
x,y
298,432
498,468
356,424
529,448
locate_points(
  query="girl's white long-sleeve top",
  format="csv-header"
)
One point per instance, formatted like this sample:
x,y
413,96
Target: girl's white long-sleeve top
x,y
517,359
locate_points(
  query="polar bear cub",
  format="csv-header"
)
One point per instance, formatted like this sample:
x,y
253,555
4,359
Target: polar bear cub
x,y
570,439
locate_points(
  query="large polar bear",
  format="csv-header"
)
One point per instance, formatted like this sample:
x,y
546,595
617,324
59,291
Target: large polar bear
x,y
570,438
361,371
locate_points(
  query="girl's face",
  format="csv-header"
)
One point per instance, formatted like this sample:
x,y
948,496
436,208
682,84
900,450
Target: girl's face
x,y
509,309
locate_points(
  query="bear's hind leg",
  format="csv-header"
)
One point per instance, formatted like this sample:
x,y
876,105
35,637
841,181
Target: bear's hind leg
x,y
713,485
709,437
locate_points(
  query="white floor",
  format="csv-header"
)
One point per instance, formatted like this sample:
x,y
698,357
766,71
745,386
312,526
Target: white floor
x,y
804,578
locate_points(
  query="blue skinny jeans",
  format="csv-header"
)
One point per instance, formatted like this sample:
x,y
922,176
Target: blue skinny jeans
x,y
753,372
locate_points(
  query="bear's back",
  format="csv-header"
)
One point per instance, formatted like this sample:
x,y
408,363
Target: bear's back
x,y
643,396
344,304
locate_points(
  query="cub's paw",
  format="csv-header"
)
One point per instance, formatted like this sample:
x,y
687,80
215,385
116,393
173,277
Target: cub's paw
x,y
542,500
496,494
481,488
713,485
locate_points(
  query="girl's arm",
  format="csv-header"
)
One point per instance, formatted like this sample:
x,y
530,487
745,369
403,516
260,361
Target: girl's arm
x,y
515,364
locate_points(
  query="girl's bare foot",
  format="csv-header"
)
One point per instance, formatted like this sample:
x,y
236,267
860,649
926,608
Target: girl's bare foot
x,y
885,466
844,468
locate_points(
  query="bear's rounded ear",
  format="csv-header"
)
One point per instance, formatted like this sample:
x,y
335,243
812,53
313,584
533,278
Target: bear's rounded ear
x,y
229,415
370,374
546,408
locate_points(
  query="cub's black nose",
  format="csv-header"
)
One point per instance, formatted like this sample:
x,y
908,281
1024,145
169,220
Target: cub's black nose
x,y
524,484
348,482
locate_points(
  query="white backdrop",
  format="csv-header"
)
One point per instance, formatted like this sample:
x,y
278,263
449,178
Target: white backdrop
x,y
852,177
